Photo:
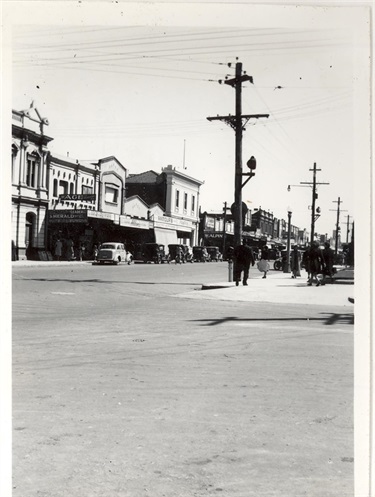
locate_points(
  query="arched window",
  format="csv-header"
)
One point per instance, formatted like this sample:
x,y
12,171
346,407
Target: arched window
x,y
29,231
71,188
14,155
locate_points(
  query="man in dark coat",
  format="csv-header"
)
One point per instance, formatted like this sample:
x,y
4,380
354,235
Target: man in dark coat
x,y
243,257
329,258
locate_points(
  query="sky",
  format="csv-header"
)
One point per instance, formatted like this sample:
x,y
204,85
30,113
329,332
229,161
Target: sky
x,y
139,85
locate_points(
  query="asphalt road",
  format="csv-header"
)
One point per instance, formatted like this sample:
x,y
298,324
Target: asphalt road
x,y
123,387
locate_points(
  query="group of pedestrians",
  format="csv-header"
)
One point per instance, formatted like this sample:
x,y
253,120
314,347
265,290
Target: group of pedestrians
x,y
315,261
65,248
244,257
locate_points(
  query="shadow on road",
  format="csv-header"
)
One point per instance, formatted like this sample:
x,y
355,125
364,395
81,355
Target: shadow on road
x,y
331,318
95,280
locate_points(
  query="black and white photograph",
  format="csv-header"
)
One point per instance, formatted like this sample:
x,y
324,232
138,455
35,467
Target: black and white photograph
x,y
187,196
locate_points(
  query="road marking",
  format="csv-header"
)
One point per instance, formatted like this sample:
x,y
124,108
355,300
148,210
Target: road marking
x,y
63,293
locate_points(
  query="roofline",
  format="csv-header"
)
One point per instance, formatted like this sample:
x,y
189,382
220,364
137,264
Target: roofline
x,y
183,175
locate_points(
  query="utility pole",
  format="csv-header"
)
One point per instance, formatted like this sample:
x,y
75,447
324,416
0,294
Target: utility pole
x,y
314,215
339,202
347,228
224,227
237,123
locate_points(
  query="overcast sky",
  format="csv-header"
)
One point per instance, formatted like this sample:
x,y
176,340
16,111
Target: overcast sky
x,y
139,85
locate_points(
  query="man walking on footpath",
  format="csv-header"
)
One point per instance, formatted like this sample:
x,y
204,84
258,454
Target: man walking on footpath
x,y
243,257
329,258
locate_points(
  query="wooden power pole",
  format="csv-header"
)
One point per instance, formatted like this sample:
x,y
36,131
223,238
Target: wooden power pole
x,y
238,122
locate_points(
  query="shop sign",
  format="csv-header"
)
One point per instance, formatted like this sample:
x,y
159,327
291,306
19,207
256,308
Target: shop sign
x,y
101,215
134,223
218,236
77,196
68,216
170,222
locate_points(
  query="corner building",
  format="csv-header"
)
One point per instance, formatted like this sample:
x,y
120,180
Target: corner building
x,y
29,183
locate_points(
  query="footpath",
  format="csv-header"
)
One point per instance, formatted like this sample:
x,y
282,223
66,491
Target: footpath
x,y
278,287
281,288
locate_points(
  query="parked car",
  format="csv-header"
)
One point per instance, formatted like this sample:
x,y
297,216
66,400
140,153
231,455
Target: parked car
x,y
176,253
114,253
214,253
188,253
154,252
200,254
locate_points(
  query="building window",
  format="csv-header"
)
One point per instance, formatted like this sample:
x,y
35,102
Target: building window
x,y
111,194
193,204
55,186
71,188
63,187
87,189
185,201
177,199
31,171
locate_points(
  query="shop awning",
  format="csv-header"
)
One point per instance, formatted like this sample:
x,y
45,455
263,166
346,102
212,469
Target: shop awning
x,y
165,236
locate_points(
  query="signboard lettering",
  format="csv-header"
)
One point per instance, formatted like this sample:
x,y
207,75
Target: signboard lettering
x,y
68,216
77,196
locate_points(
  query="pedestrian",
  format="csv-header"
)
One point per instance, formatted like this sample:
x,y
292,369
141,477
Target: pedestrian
x,y
81,250
315,263
305,262
58,249
243,257
179,255
329,258
69,249
263,264
95,252
295,259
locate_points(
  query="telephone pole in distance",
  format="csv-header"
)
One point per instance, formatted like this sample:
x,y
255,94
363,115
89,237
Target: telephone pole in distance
x,y
314,215
339,202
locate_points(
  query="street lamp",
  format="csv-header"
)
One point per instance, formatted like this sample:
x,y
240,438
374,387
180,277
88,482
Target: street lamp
x,y
286,268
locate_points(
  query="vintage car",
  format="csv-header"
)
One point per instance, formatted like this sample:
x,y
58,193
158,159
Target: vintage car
x,y
154,252
176,253
200,254
113,252
214,253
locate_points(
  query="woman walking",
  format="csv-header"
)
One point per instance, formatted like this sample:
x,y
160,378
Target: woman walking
x,y
263,264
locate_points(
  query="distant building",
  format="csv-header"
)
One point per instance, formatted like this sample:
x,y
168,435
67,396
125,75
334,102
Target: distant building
x,y
263,221
178,195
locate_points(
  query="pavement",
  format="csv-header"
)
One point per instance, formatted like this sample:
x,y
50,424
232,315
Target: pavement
x,y
278,287
281,288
